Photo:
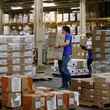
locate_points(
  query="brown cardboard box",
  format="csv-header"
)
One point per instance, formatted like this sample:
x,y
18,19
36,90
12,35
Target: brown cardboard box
x,y
88,91
91,98
102,86
61,100
73,98
44,89
102,100
98,49
11,99
88,83
75,83
51,39
31,102
37,102
11,84
26,84
101,78
104,93
98,56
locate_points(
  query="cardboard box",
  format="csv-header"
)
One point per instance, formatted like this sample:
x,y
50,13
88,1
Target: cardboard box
x,y
91,98
44,89
102,100
73,98
11,99
51,39
26,84
60,100
104,93
32,102
75,83
101,78
11,84
88,83
102,86
88,91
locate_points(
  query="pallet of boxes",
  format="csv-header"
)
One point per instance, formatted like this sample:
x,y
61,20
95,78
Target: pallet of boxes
x,y
101,44
94,91
15,60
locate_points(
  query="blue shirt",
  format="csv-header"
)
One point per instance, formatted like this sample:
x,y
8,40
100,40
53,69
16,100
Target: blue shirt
x,y
90,56
68,49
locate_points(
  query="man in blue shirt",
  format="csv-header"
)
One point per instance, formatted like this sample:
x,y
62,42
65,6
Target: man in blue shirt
x,y
66,77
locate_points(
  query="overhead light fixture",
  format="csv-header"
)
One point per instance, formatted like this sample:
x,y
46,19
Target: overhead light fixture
x,y
75,8
45,5
32,6
49,4
16,8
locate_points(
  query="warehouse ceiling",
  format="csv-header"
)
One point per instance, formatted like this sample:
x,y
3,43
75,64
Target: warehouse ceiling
x,y
27,4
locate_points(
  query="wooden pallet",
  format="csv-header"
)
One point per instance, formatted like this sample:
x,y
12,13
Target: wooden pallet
x,y
42,77
99,106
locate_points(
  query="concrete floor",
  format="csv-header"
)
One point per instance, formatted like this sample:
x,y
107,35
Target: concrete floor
x,y
55,83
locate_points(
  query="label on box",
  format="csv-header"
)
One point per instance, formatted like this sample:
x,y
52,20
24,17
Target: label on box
x,y
3,69
28,67
16,68
17,101
16,54
3,62
3,48
60,102
28,46
49,105
54,103
38,104
98,37
15,39
28,60
16,84
16,60
28,54
71,101
28,39
3,54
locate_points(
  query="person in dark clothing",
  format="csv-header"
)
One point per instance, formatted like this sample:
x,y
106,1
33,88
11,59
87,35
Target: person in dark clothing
x,y
66,77
88,48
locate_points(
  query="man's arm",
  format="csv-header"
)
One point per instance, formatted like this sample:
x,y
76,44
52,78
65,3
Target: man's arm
x,y
67,42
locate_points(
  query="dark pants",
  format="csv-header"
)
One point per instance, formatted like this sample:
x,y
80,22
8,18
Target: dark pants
x,y
89,62
66,77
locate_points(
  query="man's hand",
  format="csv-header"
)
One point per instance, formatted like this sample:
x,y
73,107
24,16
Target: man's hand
x,y
56,46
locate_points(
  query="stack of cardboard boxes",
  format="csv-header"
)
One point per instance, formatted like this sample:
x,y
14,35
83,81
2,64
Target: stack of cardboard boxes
x,y
77,52
95,89
13,88
48,99
18,93
101,44
16,55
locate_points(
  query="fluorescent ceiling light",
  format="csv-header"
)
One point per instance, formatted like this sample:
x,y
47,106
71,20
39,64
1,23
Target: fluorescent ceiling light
x,y
75,8
16,8
46,5
32,6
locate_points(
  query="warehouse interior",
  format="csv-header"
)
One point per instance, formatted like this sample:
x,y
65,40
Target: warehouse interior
x,y
32,44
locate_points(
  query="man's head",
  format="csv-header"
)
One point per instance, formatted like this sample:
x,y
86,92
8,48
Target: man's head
x,y
89,35
65,29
